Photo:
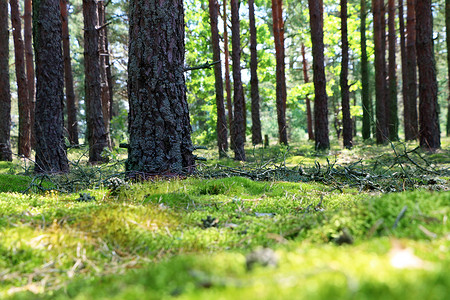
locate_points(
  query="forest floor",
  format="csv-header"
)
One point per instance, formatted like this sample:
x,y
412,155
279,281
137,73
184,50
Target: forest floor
x,y
291,223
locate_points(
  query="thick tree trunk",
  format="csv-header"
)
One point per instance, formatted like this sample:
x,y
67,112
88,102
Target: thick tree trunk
x,y
72,124
278,33
393,118
406,114
365,93
5,92
308,102
412,131
256,119
345,93
97,135
239,106
159,127
22,88
49,122
221,129
447,26
227,75
322,140
429,134
28,39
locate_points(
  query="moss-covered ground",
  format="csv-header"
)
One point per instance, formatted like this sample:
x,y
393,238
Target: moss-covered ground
x,y
370,223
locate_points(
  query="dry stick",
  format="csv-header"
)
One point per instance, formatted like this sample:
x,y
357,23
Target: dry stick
x,y
400,216
206,65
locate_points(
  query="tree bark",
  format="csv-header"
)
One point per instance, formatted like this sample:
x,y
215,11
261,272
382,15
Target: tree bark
x,y
29,62
227,75
221,129
447,26
429,134
365,93
96,131
239,106
412,131
72,124
393,118
345,93
256,119
22,88
5,92
384,45
321,99
308,102
49,122
406,114
159,125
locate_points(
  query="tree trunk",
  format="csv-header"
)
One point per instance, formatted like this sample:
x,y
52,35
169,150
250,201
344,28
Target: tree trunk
x,y
393,118
345,93
239,114
96,132
22,88
227,75
429,134
256,119
321,100
384,45
365,93
412,131
308,102
72,124
221,129
49,122
406,114
159,126
5,92
28,39
447,26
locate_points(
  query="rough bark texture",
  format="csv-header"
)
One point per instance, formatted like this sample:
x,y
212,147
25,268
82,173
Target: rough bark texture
x,y
227,74
401,21
256,119
22,88
278,33
5,93
411,131
429,133
160,139
308,102
365,93
96,132
49,122
72,124
221,129
239,114
447,26
345,93
321,100
29,62
393,118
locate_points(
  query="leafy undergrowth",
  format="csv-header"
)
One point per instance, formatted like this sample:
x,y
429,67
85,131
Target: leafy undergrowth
x,y
229,237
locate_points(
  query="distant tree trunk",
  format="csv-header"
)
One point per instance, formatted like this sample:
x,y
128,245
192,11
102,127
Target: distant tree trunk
x,y
256,119
96,132
322,140
28,39
49,122
393,118
384,44
72,124
308,102
5,92
159,127
429,134
22,88
227,75
113,108
222,135
345,93
406,113
365,93
412,131
278,33
380,81
447,26
239,114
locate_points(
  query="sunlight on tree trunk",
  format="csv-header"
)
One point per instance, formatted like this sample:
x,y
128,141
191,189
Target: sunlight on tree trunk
x,y
227,75
29,62
308,101
365,93
345,94
412,131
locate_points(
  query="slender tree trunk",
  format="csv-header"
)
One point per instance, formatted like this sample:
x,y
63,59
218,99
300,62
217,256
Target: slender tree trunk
x,y
256,119
322,140
49,121
308,102
96,132
345,93
393,118
278,33
239,114
112,108
227,75
222,135
384,44
406,114
429,134
28,39
159,127
5,92
365,93
72,124
412,132
22,88
447,26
